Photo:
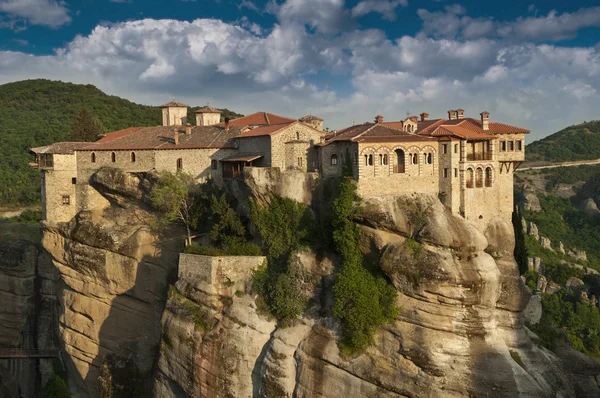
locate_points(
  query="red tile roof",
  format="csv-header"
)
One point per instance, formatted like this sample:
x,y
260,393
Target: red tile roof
x,y
264,130
258,119
62,148
162,137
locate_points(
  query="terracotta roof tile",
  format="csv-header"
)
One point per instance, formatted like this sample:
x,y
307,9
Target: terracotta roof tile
x,y
63,148
173,104
208,109
264,130
161,137
258,119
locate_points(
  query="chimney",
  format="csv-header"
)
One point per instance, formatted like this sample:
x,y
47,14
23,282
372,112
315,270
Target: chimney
x,y
176,136
379,119
188,129
460,113
226,124
424,116
452,114
485,120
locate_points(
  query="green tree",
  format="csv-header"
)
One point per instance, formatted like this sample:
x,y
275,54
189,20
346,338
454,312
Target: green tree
x,y
85,127
173,194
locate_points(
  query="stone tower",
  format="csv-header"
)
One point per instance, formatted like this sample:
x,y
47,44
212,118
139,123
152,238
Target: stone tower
x,y
313,121
174,114
207,116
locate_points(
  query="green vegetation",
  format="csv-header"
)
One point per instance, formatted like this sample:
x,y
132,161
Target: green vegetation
x,y
56,387
561,221
569,175
284,226
363,300
578,142
201,317
40,112
28,216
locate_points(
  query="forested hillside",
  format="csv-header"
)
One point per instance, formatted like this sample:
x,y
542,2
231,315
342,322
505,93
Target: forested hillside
x,y
578,142
39,112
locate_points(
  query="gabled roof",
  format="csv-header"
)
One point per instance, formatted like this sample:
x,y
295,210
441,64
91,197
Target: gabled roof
x,y
259,119
208,109
272,129
60,148
162,137
174,104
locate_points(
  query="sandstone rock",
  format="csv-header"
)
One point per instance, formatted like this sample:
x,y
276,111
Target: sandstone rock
x,y
535,264
530,201
552,287
577,255
542,284
589,206
533,311
532,230
574,284
546,243
561,248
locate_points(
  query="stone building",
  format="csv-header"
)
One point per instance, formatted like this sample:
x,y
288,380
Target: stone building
x,y
467,163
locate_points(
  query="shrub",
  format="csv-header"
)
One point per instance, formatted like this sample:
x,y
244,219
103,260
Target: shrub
x,y
363,301
56,387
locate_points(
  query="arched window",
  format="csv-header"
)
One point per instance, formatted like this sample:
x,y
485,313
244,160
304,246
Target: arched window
x,y
180,164
399,167
415,158
383,159
132,157
334,160
366,160
370,160
93,157
488,176
469,178
479,178
113,157
429,158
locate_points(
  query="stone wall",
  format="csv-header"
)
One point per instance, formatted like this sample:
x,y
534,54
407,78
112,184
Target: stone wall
x,y
514,154
174,116
196,162
294,132
59,189
297,154
256,146
144,161
216,270
380,179
340,149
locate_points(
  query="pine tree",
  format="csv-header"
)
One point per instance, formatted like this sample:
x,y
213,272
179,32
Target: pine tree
x,y
85,127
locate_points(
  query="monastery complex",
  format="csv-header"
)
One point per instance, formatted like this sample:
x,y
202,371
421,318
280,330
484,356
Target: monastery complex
x,y
467,163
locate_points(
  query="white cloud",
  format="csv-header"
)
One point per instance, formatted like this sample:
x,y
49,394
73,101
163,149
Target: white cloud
x,y
387,8
324,16
452,23
49,13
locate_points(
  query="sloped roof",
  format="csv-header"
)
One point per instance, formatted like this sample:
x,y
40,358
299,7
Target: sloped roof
x,y
162,137
208,109
309,118
174,104
62,148
258,119
265,130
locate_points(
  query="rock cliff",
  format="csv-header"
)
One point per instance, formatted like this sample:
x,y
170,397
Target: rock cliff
x,y
460,332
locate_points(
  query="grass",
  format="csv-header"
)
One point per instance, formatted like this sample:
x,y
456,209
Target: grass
x,y
199,314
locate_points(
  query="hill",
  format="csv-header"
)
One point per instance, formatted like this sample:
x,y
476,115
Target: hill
x,y
40,112
577,142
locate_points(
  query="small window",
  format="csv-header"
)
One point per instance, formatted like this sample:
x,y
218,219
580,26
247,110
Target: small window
x,y
113,157
429,158
511,146
93,157
132,157
66,200
445,173
502,146
297,135
384,159
334,160
213,164
445,148
369,160
415,159
73,180
455,148
180,164
455,172
299,162
519,145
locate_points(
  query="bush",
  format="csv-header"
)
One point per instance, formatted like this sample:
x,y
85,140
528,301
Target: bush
x,y
363,301
56,387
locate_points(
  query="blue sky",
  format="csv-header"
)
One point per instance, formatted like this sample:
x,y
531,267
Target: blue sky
x,y
532,64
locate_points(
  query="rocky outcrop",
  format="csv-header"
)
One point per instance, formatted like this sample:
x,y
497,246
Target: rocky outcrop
x,y
115,270
460,331
27,314
529,201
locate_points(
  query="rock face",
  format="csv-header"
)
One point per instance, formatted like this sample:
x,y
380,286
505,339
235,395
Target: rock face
x,y
460,331
27,314
115,271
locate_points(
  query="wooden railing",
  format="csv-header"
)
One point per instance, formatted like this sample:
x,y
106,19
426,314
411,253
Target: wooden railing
x,y
479,156
399,168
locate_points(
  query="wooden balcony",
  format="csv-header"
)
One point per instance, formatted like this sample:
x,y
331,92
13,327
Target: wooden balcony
x,y
479,156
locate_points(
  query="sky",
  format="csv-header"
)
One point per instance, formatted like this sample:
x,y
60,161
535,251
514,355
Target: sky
x,y
534,64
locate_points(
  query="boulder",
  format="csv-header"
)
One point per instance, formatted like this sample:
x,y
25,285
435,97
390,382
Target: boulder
x,y
574,284
529,201
532,230
533,311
